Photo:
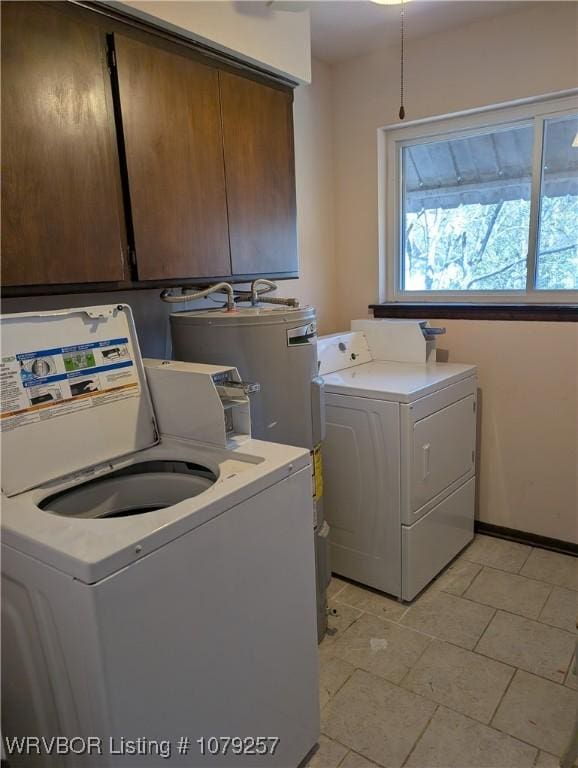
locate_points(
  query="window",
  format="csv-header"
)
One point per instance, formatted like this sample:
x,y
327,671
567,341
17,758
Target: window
x,y
484,206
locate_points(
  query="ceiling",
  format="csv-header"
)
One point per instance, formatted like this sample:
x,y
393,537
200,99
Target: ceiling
x,y
349,28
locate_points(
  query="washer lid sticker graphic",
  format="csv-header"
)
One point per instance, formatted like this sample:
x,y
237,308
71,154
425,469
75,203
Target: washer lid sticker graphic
x,y
46,383
74,394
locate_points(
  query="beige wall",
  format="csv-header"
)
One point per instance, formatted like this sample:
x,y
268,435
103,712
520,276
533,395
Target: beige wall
x,y
528,371
314,182
278,40
528,457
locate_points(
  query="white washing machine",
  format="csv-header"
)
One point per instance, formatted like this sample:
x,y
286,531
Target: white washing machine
x,y
156,587
399,459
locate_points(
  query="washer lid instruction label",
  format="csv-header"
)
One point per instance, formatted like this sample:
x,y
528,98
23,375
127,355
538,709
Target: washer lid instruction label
x,y
52,382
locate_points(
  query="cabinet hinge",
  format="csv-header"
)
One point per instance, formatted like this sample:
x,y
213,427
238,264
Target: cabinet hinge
x,y
474,404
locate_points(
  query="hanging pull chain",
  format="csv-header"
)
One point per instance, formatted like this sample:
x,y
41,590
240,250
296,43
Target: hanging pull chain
x,y
401,63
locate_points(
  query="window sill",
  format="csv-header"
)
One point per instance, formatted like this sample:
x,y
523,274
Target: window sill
x,y
560,313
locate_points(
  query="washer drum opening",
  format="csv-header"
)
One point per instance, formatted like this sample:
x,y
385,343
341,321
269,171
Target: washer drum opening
x,y
135,490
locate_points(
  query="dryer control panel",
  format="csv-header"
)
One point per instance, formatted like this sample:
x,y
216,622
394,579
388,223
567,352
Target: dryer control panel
x,y
342,350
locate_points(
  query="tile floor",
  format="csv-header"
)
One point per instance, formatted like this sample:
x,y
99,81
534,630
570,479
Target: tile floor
x,y
476,673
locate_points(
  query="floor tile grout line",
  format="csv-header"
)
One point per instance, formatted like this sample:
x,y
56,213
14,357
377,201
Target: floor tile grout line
x,y
511,613
344,756
419,738
461,597
534,578
492,565
447,640
473,581
403,615
469,717
377,615
545,601
479,640
427,698
506,689
437,705
365,610
408,628
416,662
459,712
518,575
358,754
569,670
349,749
339,591
388,621
518,738
514,668
527,557
522,669
474,649
523,741
349,676
500,730
475,719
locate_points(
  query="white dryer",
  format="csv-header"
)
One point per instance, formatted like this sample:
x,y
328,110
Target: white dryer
x,y
155,587
399,461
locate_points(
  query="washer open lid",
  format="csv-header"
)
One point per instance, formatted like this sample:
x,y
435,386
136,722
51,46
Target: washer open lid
x,y
74,393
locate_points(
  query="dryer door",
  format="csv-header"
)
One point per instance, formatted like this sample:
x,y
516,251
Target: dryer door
x,y
361,483
443,452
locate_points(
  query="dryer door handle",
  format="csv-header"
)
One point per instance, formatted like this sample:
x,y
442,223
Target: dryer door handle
x,y
426,460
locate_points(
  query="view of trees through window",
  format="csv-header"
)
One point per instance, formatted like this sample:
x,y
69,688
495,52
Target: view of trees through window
x,y
467,210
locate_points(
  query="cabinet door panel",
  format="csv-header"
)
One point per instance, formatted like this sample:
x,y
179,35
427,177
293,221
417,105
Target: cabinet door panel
x,y
61,203
172,132
259,165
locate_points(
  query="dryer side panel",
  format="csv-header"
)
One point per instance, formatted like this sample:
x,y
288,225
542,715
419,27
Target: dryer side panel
x,y
362,469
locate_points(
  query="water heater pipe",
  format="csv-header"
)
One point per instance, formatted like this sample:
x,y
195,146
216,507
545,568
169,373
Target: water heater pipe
x,y
256,294
217,288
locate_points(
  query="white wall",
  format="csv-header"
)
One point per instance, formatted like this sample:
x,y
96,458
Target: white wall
x,y
277,40
528,371
315,183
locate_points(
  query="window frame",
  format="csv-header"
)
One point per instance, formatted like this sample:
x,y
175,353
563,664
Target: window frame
x,y
392,139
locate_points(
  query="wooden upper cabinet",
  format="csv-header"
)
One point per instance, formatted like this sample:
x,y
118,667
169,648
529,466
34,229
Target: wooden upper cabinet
x,y
260,174
61,199
172,132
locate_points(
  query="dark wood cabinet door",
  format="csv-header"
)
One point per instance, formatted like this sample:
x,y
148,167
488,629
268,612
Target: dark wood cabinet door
x,y
260,173
172,132
62,218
